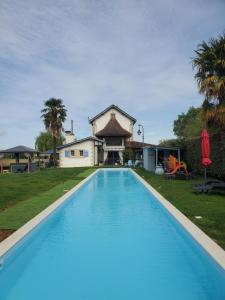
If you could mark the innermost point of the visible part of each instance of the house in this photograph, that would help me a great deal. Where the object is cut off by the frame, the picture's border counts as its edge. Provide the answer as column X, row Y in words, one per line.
column 112, row 133
column 115, row 127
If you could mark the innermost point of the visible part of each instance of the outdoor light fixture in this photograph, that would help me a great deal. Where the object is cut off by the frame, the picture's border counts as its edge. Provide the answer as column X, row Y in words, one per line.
column 141, row 131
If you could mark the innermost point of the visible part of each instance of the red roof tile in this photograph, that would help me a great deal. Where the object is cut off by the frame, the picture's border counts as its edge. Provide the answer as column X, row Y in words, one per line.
column 134, row 144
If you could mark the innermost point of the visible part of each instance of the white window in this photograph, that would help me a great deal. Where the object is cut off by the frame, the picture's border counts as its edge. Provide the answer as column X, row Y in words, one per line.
column 72, row 153
column 81, row 153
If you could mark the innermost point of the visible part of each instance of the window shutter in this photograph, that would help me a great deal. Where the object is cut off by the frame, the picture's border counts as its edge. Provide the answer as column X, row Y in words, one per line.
column 86, row 153
column 67, row 153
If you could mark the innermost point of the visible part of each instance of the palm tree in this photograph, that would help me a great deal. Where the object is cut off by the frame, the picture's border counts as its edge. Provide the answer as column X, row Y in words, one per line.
column 54, row 114
column 209, row 64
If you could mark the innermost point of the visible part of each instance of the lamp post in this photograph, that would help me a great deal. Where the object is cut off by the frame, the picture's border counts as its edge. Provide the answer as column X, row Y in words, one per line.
column 141, row 131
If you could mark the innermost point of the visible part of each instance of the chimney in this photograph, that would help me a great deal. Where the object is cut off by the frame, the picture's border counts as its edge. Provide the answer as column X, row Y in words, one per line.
column 70, row 137
column 72, row 126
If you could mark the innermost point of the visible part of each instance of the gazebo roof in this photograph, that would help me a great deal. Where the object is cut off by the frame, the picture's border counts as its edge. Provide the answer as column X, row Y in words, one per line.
column 113, row 128
column 19, row 149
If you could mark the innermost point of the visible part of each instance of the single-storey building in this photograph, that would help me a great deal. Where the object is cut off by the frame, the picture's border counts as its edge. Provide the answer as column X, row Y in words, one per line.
column 80, row 153
column 157, row 156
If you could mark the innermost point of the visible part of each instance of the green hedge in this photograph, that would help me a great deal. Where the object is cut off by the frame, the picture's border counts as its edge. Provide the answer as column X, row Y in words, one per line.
column 192, row 155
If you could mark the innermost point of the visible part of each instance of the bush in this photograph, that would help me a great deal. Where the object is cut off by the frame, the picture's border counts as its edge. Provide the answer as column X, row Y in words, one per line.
column 128, row 154
column 192, row 155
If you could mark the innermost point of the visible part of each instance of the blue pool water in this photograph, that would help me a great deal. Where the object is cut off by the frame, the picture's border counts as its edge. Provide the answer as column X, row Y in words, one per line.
column 111, row 240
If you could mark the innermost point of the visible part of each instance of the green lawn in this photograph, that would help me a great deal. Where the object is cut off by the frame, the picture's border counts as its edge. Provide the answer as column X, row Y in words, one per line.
column 179, row 193
column 25, row 195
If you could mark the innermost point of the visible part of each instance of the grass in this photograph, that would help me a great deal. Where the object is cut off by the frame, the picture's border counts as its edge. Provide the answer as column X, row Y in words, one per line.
column 19, row 187
column 179, row 193
column 25, row 195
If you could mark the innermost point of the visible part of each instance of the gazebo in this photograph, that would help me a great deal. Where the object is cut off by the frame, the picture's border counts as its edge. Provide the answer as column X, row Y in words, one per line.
column 17, row 151
column 155, row 156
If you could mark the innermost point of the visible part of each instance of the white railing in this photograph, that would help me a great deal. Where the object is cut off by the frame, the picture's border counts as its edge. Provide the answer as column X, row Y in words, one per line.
column 113, row 148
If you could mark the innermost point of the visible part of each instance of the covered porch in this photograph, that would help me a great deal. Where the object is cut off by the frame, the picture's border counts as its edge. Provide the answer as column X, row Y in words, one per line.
column 157, row 156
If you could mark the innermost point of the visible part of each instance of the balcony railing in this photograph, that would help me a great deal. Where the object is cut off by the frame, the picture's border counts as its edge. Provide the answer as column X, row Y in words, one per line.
column 113, row 148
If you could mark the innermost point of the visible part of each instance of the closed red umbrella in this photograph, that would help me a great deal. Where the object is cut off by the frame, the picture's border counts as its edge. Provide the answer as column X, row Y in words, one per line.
column 206, row 161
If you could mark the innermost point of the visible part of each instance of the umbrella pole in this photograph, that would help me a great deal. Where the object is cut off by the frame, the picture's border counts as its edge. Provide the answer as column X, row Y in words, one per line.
column 205, row 173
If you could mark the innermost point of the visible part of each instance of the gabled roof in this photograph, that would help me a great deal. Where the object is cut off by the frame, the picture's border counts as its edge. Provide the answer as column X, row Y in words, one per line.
column 113, row 106
column 113, row 128
column 20, row 149
column 90, row 138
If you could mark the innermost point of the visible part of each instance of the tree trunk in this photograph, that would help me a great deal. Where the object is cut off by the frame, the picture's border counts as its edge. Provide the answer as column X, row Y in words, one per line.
column 223, row 151
column 54, row 152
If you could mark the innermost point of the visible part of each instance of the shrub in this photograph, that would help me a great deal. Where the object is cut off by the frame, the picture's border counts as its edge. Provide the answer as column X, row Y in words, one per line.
column 192, row 155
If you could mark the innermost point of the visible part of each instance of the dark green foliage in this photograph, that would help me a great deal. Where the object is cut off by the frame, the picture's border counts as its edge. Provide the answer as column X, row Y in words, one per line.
column 53, row 115
column 128, row 154
column 189, row 124
column 172, row 143
column 209, row 65
column 193, row 155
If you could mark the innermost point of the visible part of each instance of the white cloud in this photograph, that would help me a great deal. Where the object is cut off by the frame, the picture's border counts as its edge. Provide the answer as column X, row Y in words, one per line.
column 2, row 132
column 94, row 53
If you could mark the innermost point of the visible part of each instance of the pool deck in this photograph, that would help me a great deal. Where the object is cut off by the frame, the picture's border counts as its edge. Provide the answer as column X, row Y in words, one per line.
column 214, row 250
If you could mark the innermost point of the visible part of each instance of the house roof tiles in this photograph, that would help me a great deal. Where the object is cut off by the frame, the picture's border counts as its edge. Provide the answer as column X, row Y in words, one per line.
column 113, row 128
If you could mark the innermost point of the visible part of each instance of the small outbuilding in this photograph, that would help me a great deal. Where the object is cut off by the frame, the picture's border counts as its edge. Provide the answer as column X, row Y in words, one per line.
column 81, row 153
column 157, row 156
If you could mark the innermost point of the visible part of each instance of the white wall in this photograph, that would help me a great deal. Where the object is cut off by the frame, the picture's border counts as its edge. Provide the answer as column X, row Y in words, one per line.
column 101, row 122
column 149, row 159
column 69, row 162
column 70, row 137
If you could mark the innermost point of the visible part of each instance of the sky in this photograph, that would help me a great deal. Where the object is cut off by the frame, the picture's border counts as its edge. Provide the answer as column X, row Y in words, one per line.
column 135, row 54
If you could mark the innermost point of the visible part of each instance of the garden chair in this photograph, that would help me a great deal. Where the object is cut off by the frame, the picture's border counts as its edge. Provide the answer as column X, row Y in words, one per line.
column 210, row 186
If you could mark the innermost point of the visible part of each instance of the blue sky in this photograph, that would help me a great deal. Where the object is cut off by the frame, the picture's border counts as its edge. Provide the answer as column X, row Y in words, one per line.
column 136, row 54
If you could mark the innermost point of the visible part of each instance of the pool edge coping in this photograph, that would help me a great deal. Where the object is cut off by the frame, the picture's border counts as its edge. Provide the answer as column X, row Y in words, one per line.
column 25, row 229
column 211, row 247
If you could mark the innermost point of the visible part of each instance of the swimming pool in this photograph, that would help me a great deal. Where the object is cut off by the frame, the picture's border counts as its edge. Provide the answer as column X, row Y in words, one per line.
column 110, row 240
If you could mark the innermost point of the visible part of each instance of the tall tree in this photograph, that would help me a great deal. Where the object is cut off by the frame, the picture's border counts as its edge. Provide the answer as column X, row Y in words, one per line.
column 189, row 124
column 209, row 64
column 44, row 141
column 54, row 114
